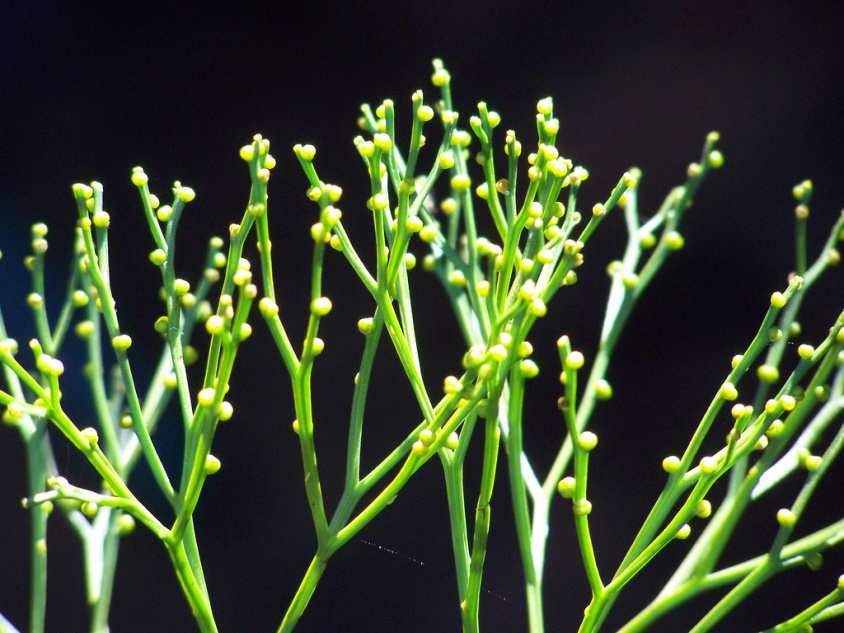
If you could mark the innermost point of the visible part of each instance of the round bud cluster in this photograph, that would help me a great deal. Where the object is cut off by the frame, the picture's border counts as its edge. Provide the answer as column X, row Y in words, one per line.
column 49, row 366
column 304, row 152
column 138, row 177
column 802, row 190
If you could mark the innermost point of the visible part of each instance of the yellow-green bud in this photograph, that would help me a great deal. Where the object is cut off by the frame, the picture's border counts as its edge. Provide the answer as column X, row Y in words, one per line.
column 212, row 464
column 603, row 389
column 768, row 373
column 206, row 397
column 728, row 391
column 566, row 487
column 684, row 532
column 125, row 524
column 574, row 360
column 587, row 441
column 321, row 306
column 703, row 509
column 786, row 518
column 121, row 342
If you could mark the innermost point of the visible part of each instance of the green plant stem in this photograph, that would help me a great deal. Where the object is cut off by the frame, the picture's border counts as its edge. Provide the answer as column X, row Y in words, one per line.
column 830, row 612
column 804, row 617
column 455, row 497
column 792, row 555
column 198, row 602
column 532, row 576
column 109, row 544
column 37, row 473
column 706, row 551
column 303, row 595
column 470, row 604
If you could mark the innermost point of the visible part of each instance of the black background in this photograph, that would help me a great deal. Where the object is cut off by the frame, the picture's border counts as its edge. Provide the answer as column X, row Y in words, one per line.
column 88, row 92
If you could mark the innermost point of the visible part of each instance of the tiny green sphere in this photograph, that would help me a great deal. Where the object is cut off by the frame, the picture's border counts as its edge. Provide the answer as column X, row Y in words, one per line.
column 786, row 518
column 703, row 509
column 812, row 462
column 566, row 487
column 528, row 368
column 321, row 306
column 582, row 507
column 80, row 298
column 452, row 441
column 212, row 464
column 708, row 465
column 788, row 402
column 778, row 300
column 671, row 464
column 587, row 441
column 206, row 397
column 775, row 428
column 181, row 287
column 318, row 346
column 768, row 373
column 728, row 391
column 647, row 241
column 715, row 159
column 603, row 389
column 365, row 325
column 121, row 342
column 674, row 241
column 574, row 360
column 684, row 532
column 426, row 436
column 125, row 524
column 805, row 351
column 89, row 509
column 537, row 307
column 460, row 182
column 428, row 233
column 91, row 436
column 84, row 329
column 139, row 178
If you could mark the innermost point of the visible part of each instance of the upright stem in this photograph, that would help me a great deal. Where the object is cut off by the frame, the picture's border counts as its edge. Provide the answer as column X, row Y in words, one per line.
column 303, row 595
column 36, row 470
column 110, row 548
column 199, row 605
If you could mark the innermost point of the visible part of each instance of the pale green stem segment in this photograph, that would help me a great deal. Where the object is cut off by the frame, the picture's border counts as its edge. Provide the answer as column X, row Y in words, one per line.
column 797, row 622
column 470, row 603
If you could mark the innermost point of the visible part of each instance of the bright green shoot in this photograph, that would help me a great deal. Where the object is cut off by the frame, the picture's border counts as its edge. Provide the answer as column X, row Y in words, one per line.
column 499, row 285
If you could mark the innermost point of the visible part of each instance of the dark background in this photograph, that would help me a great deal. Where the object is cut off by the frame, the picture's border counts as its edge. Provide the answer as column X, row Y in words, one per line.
column 89, row 92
